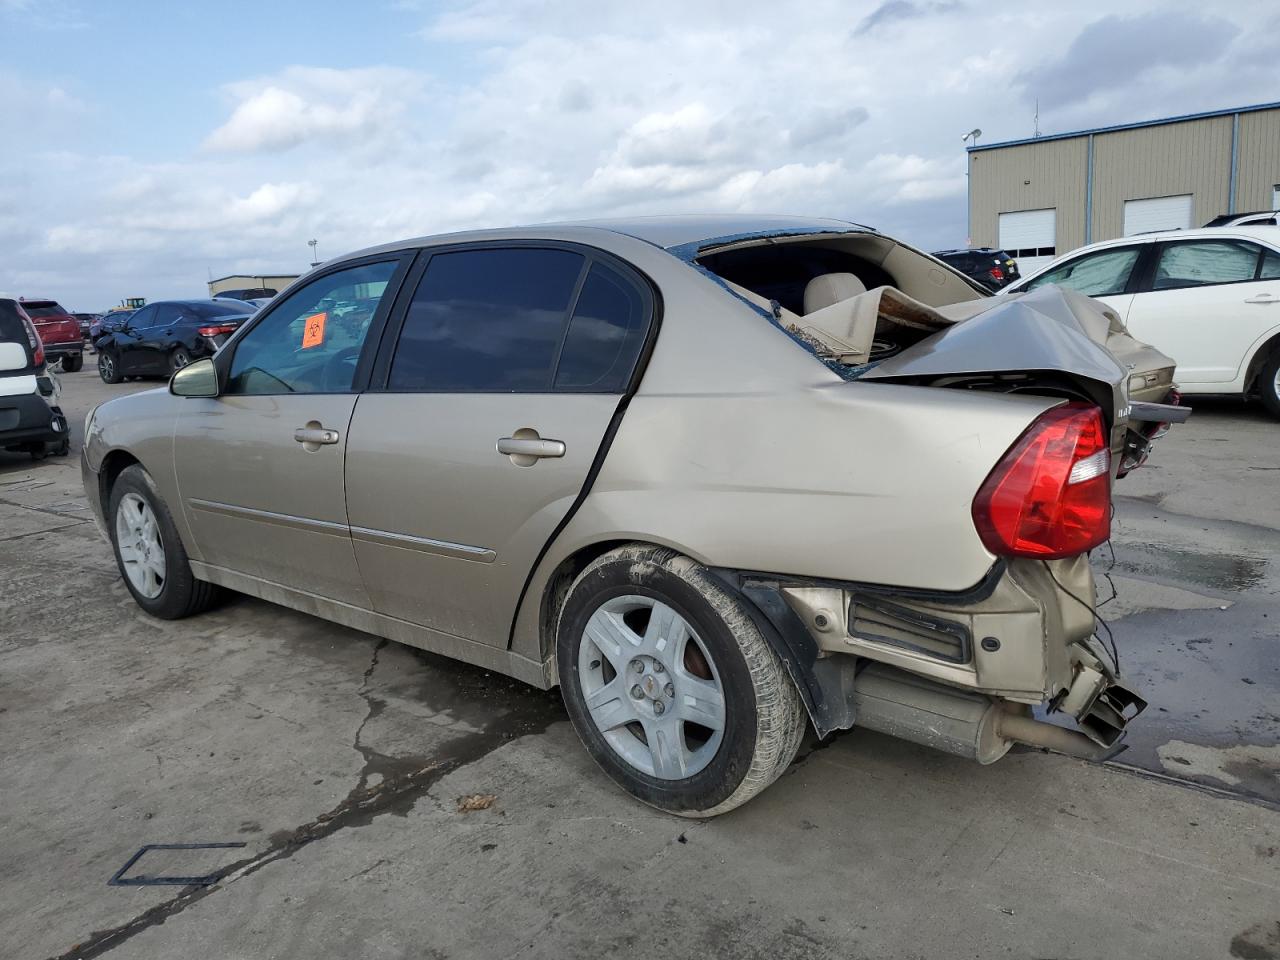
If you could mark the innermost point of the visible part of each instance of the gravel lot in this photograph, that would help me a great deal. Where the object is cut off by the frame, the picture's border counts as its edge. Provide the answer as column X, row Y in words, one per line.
column 340, row 761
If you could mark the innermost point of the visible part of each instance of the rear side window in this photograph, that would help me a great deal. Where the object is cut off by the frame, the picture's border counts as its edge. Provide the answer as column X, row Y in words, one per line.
column 605, row 335
column 204, row 310
column 1096, row 275
column 166, row 314
column 1270, row 266
column 1203, row 262
column 486, row 321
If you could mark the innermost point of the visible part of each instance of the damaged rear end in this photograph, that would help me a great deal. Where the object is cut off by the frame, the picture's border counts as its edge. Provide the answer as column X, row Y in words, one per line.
column 1016, row 658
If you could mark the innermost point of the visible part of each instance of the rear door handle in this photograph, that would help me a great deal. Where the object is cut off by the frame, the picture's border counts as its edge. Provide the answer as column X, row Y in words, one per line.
column 315, row 435
column 528, row 447
column 1263, row 298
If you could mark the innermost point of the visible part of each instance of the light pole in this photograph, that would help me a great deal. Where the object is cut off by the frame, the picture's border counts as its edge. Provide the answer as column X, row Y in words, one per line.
column 973, row 135
column 315, row 260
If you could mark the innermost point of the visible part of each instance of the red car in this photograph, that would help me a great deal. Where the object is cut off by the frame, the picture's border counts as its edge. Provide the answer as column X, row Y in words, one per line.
column 59, row 332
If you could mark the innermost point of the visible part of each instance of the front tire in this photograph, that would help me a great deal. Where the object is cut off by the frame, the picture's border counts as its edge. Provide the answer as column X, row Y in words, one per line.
column 671, row 686
column 1269, row 384
column 108, row 367
column 149, row 552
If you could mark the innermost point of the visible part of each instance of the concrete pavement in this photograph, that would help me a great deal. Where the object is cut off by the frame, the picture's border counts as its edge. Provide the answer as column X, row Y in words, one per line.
column 339, row 760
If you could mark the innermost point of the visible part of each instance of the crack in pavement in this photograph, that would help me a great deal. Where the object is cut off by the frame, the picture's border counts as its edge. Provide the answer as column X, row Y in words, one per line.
column 403, row 781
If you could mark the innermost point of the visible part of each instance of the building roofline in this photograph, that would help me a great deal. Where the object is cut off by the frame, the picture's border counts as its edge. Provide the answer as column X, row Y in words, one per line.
column 1252, row 108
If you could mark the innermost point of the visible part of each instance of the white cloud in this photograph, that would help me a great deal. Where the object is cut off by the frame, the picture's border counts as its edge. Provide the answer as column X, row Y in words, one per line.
column 530, row 110
column 308, row 103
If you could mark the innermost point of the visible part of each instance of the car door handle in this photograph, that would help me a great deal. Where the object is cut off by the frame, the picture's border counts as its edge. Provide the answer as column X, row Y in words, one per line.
column 1263, row 298
column 530, row 447
column 315, row 435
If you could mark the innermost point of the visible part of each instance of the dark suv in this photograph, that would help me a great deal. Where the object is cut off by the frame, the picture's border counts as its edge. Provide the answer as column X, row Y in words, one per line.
column 991, row 268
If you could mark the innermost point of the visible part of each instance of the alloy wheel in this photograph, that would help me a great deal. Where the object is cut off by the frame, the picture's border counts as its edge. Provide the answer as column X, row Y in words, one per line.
column 138, row 540
column 651, row 688
column 106, row 366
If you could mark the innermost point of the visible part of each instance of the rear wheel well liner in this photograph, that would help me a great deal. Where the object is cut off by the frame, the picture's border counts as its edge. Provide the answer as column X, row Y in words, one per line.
column 1259, row 360
column 556, row 590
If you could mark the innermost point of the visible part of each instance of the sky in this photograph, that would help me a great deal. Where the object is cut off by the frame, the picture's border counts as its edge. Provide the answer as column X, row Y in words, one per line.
column 151, row 145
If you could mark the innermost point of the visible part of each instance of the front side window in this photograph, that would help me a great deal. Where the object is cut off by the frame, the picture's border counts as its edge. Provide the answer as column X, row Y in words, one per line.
column 1199, row 263
column 486, row 321
column 1096, row 274
column 311, row 342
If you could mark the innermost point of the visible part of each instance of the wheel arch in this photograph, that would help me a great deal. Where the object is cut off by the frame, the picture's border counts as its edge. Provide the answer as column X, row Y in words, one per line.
column 823, row 697
column 113, row 464
column 1264, row 351
column 556, row 588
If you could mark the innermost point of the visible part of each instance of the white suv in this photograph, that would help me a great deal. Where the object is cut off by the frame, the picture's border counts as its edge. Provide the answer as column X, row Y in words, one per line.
column 1209, row 298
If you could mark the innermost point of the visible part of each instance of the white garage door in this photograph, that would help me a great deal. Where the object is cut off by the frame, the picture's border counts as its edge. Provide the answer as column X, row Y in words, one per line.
column 1028, row 237
column 1275, row 197
column 1158, row 213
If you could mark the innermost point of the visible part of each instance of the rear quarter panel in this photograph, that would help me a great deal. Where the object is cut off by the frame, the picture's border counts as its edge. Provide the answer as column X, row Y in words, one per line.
column 847, row 481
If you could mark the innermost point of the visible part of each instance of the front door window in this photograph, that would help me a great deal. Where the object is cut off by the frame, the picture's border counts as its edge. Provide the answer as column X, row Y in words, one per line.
column 312, row 341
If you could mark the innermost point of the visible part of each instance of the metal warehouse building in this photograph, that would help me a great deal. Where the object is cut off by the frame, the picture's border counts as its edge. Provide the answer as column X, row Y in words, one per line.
column 1045, row 196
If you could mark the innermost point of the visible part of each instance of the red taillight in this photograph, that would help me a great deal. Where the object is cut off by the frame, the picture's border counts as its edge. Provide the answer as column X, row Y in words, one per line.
column 997, row 273
column 1050, row 495
column 215, row 331
column 37, row 346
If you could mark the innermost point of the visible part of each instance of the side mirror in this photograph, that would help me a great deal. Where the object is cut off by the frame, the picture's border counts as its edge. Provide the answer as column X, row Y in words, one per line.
column 198, row 379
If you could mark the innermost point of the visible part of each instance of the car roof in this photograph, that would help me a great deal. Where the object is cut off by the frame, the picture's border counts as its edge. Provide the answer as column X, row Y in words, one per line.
column 668, row 232
column 1225, row 219
column 1264, row 233
column 196, row 301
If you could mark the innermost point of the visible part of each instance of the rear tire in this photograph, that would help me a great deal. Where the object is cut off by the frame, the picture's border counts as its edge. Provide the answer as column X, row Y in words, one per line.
column 1269, row 384
column 675, row 746
column 152, row 561
column 108, row 367
column 178, row 359
column 72, row 364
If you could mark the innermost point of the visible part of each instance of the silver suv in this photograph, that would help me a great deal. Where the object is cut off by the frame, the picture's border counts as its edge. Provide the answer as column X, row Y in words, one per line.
column 717, row 479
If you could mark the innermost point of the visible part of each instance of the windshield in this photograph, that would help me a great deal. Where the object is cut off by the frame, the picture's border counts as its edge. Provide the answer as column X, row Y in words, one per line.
column 37, row 309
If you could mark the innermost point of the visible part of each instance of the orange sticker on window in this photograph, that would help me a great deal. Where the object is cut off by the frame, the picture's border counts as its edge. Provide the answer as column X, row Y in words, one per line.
column 313, row 330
